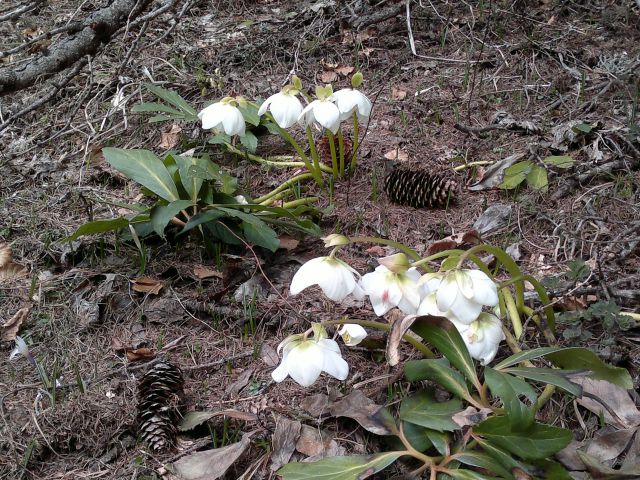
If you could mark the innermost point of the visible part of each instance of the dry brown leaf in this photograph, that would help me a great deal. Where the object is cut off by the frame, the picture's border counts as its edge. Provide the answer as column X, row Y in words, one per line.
column 284, row 440
column 363, row 410
column 344, row 70
column 147, row 285
column 170, row 138
column 459, row 240
column 376, row 250
column 8, row 268
column 397, row 155
column 398, row 329
column 471, row 416
column 239, row 383
column 10, row 327
column 269, row 355
column 288, row 243
column 328, row 76
column 140, row 354
column 398, row 94
column 616, row 398
column 203, row 272
column 210, row 464
column 313, row 442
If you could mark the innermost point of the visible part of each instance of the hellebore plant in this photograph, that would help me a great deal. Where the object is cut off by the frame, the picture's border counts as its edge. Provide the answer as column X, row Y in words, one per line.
column 493, row 415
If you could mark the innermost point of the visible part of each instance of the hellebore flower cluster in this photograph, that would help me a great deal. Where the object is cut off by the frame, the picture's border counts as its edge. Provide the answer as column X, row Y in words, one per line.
column 459, row 295
column 328, row 110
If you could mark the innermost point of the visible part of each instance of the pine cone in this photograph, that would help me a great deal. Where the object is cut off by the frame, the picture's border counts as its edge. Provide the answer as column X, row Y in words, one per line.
column 419, row 189
column 159, row 397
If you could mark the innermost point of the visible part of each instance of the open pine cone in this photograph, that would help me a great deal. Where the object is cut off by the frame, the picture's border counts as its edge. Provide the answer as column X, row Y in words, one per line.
column 159, row 398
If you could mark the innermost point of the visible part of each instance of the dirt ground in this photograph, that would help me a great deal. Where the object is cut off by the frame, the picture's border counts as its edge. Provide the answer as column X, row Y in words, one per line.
column 544, row 66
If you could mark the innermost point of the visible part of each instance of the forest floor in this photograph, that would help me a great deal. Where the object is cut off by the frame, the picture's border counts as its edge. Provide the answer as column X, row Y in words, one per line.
column 484, row 82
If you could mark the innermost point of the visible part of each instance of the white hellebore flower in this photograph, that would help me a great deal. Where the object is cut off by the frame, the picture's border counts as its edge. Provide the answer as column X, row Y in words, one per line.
column 335, row 278
column 285, row 107
column 482, row 337
column 392, row 284
column 349, row 100
column 304, row 360
column 464, row 293
column 224, row 116
column 352, row 334
column 325, row 112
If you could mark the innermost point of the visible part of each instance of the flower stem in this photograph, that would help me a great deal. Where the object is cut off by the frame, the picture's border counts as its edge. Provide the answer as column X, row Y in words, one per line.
column 341, row 151
column 289, row 183
column 314, row 154
column 422, row 348
column 544, row 397
column 383, row 241
column 314, row 169
column 299, row 201
column 354, row 148
column 334, row 158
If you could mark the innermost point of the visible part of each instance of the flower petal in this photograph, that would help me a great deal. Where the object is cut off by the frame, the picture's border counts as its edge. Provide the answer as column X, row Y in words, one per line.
column 465, row 310
column 211, row 116
column 333, row 364
column 280, row 373
column 464, row 282
column 305, row 363
column 233, row 121
column 352, row 334
column 265, row 105
column 484, row 289
column 327, row 115
column 286, row 110
column 447, row 293
column 305, row 276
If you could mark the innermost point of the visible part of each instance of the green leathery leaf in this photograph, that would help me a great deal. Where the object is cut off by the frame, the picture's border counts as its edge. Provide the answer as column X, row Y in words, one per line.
column 443, row 334
column 439, row 371
column 145, row 168
column 422, row 409
column 202, row 217
column 462, row 474
column 355, row 467
column 261, row 234
column 483, row 460
column 537, row 178
column 174, row 99
column 560, row 161
column 508, row 388
column 161, row 215
column 191, row 181
column 584, row 359
column 550, row 376
column 98, row 226
column 249, row 141
column 525, row 355
column 537, row 442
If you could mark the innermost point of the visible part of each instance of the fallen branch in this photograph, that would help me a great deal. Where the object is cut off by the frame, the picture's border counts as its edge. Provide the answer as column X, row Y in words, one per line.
column 95, row 31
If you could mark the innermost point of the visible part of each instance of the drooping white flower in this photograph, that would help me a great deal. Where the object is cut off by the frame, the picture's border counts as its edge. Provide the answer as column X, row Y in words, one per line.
column 325, row 112
column 285, row 107
column 224, row 116
column 332, row 275
column 20, row 348
column 482, row 337
column 352, row 334
column 349, row 100
column 241, row 199
column 393, row 285
column 305, row 360
column 464, row 293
